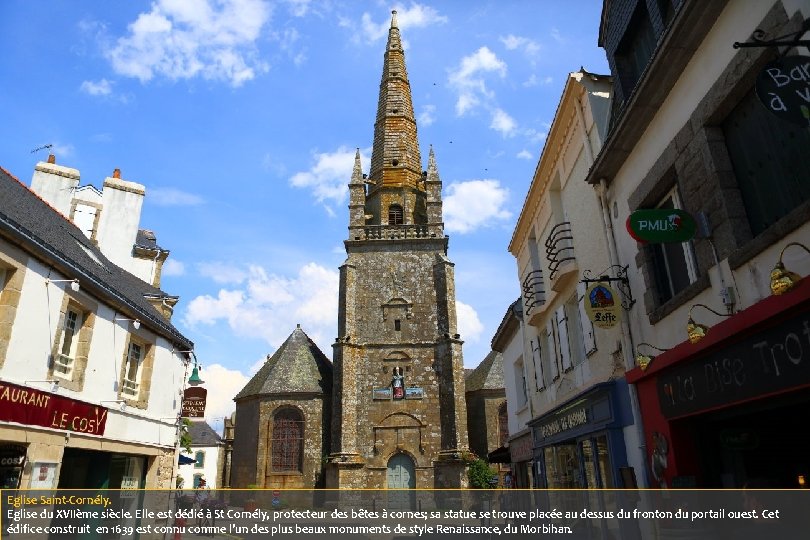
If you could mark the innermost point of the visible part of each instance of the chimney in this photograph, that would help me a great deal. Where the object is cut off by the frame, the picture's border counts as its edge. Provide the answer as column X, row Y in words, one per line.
column 118, row 227
column 55, row 184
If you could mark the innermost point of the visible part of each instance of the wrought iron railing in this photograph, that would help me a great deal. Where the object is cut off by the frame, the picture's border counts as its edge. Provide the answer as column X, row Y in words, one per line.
column 534, row 293
column 559, row 247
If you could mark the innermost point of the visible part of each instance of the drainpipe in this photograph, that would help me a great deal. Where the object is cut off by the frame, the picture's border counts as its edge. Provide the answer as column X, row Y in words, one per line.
column 627, row 337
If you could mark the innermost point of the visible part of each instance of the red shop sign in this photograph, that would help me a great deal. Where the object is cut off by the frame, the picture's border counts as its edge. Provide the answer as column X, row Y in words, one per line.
column 33, row 407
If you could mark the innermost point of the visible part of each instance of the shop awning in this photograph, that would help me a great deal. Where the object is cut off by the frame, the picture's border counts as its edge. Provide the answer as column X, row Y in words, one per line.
column 185, row 460
column 499, row 455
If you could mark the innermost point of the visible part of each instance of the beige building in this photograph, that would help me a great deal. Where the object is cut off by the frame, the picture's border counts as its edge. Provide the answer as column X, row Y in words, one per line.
column 567, row 379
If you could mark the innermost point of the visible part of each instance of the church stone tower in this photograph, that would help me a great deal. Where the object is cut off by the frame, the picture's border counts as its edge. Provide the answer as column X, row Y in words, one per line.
column 399, row 417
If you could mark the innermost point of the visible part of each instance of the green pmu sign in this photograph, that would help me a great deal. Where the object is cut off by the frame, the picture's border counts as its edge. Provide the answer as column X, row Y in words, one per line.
column 661, row 225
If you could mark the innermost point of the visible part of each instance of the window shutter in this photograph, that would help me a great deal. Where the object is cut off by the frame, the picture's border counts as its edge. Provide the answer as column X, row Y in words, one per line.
column 539, row 376
column 553, row 367
column 588, row 336
column 562, row 330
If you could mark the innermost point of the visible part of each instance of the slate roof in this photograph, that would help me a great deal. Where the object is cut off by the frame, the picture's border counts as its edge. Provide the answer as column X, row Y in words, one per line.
column 298, row 366
column 488, row 375
column 203, row 435
column 38, row 228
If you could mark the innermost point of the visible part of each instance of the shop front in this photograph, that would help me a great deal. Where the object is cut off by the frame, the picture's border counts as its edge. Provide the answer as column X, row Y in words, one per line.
column 51, row 441
column 732, row 410
column 520, row 453
column 581, row 443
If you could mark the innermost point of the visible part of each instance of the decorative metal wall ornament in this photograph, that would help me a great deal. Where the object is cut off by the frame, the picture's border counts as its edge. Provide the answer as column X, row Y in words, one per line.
column 620, row 279
column 788, row 40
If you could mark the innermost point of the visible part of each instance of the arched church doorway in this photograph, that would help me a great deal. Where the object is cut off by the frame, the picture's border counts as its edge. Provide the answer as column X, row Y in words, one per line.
column 401, row 472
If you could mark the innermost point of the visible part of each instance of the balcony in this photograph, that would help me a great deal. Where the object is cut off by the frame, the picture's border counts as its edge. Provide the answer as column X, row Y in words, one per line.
column 534, row 294
column 560, row 255
column 394, row 232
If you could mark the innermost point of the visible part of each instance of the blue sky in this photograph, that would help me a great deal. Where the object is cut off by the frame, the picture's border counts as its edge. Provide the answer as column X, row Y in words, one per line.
column 241, row 118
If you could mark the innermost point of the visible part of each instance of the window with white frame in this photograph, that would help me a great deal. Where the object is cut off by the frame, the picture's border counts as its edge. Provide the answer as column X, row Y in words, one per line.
column 673, row 263
column 132, row 369
column 65, row 358
column 199, row 459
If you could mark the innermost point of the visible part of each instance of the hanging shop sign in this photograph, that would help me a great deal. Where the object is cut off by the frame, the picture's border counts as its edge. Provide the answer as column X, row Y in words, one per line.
column 783, row 86
column 601, row 306
column 25, row 405
column 194, row 399
column 661, row 225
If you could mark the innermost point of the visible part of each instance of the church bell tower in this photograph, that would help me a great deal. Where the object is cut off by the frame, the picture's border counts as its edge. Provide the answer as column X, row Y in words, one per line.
column 399, row 417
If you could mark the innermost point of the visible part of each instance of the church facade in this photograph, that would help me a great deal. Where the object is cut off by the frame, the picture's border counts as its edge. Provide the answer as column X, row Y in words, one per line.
column 398, row 413
column 399, row 417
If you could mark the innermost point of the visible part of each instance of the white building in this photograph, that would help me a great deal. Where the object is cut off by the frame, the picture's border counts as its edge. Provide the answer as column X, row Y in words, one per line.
column 81, row 344
column 570, row 397
column 208, row 455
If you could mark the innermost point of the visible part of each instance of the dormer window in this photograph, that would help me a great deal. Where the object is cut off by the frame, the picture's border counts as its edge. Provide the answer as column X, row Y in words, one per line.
column 395, row 216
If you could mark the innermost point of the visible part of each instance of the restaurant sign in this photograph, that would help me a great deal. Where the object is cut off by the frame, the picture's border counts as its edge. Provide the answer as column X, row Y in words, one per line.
column 194, row 402
column 31, row 407
column 771, row 361
column 661, row 225
column 783, row 86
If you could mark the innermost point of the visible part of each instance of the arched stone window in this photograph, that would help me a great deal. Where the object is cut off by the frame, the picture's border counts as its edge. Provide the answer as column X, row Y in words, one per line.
column 287, row 443
column 395, row 216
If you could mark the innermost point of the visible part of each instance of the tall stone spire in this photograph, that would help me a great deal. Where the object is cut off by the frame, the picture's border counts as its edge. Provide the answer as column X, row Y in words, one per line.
column 395, row 159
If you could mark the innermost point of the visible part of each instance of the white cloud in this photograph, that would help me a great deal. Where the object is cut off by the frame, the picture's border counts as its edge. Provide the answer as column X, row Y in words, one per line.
column 474, row 204
column 267, row 306
column 469, row 325
column 534, row 80
column 555, row 33
column 184, row 39
column 524, row 154
column 416, row 16
column 223, row 385
column 468, row 78
column 62, row 150
column 529, row 47
column 222, row 272
column 100, row 88
column 172, row 197
column 427, row 116
column 298, row 8
column 503, row 123
column 173, row 268
column 330, row 174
